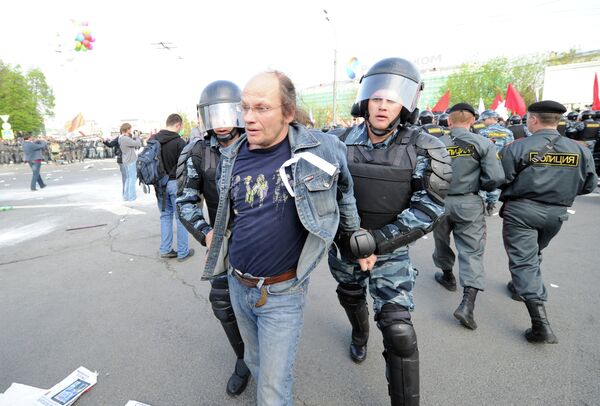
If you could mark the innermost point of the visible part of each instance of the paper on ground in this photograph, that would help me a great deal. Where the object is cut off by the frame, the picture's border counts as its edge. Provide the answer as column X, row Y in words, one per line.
column 20, row 395
column 135, row 403
column 67, row 391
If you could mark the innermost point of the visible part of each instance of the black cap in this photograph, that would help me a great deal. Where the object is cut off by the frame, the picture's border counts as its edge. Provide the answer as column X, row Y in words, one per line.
column 547, row 106
column 462, row 107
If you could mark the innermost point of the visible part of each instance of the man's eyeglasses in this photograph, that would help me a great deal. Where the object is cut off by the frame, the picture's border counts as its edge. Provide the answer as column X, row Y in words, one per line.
column 258, row 109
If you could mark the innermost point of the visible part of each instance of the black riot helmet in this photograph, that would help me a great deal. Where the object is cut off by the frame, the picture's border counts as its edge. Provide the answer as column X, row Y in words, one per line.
column 587, row 115
column 597, row 115
column 443, row 119
column 514, row 120
column 394, row 79
column 426, row 117
column 219, row 107
column 354, row 110
column 572, row 116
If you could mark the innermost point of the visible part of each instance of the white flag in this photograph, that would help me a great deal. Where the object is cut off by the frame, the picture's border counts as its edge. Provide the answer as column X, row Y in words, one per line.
column 481, row 107
column 501, row 110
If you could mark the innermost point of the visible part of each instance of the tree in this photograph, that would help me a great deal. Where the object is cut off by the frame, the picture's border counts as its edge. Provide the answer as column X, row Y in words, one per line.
column 525, row 73
column 26, row 98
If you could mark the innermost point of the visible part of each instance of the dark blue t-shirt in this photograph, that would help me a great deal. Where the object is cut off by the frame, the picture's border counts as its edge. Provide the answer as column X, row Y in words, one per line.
column 267, row 234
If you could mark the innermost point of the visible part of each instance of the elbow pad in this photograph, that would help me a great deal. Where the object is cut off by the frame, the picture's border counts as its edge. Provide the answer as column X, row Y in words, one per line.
column 359, row 244
column 387, row 242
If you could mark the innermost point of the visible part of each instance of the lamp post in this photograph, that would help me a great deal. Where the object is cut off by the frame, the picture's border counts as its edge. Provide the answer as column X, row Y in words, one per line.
column 334, row 121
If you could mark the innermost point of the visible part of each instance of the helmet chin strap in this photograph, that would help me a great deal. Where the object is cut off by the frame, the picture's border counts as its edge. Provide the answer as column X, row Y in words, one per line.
column 382, row 133
column 226, row 137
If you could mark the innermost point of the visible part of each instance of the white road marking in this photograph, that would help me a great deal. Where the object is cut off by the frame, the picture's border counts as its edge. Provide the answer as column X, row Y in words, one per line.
column 112, row 207
column 570, row 211
column 553, row 285
column 26, row 232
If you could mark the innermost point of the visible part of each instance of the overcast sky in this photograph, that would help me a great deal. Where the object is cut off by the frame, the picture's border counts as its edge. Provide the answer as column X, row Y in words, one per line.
column 126, row 77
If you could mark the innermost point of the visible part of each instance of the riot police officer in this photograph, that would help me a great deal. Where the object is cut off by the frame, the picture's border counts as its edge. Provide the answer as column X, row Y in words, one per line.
column 475, row 166
column 544, row 174
column 426, row 122
column 220, row 119
column 518, row 129
column 500, row 136
column 588, row 129
column 401, row 176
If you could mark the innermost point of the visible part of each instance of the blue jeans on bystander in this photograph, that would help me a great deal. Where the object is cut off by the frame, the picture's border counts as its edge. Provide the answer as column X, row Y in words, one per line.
column 130, row 178
column 166, row 223
column 37, row 178
column 271, row 335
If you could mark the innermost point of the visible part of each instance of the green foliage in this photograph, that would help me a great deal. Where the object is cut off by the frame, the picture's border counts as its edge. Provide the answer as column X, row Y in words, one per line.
column 473, row 81
column 27, row 98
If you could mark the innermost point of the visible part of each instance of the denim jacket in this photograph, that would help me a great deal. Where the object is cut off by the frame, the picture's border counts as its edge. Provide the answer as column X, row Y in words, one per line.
column 323, row 202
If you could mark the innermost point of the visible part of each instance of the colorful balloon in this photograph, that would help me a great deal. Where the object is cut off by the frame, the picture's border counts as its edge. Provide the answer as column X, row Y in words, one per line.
column 352, row 67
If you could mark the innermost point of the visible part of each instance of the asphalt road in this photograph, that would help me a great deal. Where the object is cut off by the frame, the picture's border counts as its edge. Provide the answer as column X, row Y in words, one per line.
column 101, row 298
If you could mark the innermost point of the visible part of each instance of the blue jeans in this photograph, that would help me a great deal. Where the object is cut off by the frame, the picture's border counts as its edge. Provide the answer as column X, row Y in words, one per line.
column 130, row 178
column 271, row 335
column 37, row 178
column 166, row 223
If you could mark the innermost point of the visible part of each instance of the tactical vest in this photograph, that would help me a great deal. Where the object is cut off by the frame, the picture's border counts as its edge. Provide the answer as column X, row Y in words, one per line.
column 518, row 131
column 209, row 158
column 382, row 179
column 590, row 130
column 432, row 129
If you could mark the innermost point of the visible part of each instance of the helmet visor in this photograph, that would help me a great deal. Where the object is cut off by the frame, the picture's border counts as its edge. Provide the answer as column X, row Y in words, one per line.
column 391, row 87
column 222, row 115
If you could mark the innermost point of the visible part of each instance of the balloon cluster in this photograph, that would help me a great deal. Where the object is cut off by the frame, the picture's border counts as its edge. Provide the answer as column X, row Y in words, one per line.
column 352, row 67
column 84, row 39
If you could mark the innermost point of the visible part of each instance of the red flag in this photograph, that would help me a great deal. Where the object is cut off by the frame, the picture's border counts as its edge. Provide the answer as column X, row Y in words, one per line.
column 514, row 101
column 77, row 122
column 596, row 103
column 442, row 104
column 496, row 102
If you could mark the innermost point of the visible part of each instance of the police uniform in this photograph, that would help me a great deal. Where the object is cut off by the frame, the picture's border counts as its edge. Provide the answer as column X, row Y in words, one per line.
column 400, row 184
column 539, row 189
column 501, row 137
column 477, row 127
column 475, row 166
column 433, row 129
column 521, row 131
column 196, row 180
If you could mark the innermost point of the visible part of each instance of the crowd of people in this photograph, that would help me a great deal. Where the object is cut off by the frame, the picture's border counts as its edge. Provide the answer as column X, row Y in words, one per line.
column 270, row 198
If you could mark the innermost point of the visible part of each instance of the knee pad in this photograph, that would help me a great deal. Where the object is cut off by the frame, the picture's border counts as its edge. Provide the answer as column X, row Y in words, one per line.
column 351, row 295
column 220, row 301
column 399, row 335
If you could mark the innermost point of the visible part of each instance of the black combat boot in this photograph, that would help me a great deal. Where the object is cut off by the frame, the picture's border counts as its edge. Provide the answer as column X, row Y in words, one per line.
column 540, row 331
column 446, row 279
column 239, row 379
column 353, row 300
column 464, row 312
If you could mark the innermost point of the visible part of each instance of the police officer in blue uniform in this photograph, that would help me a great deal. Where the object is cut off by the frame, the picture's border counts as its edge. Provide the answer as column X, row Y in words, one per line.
column 401, row 176
column 544, row 174
column 475, row 166
column 500, row 136
column 220, row 119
